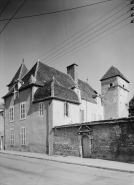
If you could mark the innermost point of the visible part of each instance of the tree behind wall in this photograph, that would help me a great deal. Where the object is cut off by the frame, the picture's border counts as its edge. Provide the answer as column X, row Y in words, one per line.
column 131, row 107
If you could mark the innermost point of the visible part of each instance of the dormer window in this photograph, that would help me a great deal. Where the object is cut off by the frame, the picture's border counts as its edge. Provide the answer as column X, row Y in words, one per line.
column 16, row 92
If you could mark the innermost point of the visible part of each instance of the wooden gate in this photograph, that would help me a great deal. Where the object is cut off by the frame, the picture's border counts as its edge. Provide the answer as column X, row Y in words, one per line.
column 85, row 147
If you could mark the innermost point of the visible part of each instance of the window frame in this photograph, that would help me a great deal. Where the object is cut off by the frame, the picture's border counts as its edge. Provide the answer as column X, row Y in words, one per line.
column 12, row 137
column 11, row 114
column 41, row 108
column 23, row 136
column 66, row 109
column 21, row 111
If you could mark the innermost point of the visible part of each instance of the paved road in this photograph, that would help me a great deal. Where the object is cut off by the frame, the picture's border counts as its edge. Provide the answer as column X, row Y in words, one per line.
column 17, row 170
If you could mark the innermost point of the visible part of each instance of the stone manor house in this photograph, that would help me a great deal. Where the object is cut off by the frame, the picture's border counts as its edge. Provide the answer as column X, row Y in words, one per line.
column 42, row 98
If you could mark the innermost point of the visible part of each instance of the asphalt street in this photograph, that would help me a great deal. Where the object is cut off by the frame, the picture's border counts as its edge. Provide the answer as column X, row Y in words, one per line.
column 18, row 170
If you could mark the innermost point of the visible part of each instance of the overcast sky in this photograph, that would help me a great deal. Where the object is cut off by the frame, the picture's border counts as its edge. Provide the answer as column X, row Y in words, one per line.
column 94, row 52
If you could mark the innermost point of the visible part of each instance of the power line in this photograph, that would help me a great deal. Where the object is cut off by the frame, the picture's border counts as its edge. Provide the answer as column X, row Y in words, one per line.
column 13, row 16
column 79, row 31
column 85, row 28
column 89, row 40
column 59, row 11
column 87, row 36
column 4, row 7
column 87, row 32
column 91, row 43
column 94, row 42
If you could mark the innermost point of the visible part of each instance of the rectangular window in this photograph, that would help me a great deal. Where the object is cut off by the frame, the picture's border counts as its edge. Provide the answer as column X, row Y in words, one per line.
column 11, row 114
column 66, row 108
column 93, row 117
column 41, row 108
column 23, row 136
column 12, row 136
column 23, row 111
column 82, row 115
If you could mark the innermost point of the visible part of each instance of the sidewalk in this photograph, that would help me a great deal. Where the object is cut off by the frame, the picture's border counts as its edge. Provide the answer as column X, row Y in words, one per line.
column 89, row 162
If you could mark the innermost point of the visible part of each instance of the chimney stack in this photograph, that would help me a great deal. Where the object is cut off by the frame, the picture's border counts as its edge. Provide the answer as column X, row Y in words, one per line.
column 72, row 71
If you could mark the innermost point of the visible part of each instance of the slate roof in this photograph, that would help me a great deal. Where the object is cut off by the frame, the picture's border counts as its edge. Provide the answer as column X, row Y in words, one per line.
column 87, row 92
column 113, row 72
column 19, row 74
column 59, row 92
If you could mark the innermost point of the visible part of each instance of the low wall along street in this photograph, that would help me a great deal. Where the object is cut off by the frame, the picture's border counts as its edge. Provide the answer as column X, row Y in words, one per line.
column 107, row 139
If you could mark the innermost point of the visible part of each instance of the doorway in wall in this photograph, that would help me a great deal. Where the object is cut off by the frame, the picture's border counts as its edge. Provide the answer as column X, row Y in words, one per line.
column 86, row 146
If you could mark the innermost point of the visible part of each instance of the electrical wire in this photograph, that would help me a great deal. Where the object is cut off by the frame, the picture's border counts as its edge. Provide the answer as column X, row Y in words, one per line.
column 78, row 32
column 89, row 44
column 4, row 8
column 82, row 29
column 87, row 36
column 93, row 42
column 59, row 11
column 88, row 40
column 87, row 32
column 13, row 16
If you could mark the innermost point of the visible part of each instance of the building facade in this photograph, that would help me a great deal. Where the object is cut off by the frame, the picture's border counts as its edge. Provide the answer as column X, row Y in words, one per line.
column 42, row 98
column 1, row 127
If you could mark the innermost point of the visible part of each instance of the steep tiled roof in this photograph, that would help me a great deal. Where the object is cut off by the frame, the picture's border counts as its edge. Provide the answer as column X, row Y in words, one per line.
column 27, row 78
column 59, row 92
column 64, row 93
column 87, row 91
column 112, row 72
column 43, row 92
column 19, row 74
column 46, row 73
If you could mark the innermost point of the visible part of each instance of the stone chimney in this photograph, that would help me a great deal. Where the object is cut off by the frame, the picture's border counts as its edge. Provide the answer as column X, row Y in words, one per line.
column 72, row 71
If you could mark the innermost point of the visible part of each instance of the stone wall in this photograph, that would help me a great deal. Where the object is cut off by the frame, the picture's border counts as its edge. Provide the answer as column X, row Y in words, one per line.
column 111, row 139
column 66, row 141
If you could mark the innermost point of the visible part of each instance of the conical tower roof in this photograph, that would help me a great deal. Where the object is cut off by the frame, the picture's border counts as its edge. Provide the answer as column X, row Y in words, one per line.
column 113, row 72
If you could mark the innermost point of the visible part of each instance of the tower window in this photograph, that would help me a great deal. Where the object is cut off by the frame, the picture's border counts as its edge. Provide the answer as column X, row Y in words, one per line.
column 111, row 85
column 123, row 86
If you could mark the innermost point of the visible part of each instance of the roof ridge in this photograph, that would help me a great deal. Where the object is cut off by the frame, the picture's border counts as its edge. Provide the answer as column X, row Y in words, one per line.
column 57, row 70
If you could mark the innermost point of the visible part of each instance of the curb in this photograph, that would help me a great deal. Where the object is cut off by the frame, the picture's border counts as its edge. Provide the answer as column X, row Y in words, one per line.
column 80, row 164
